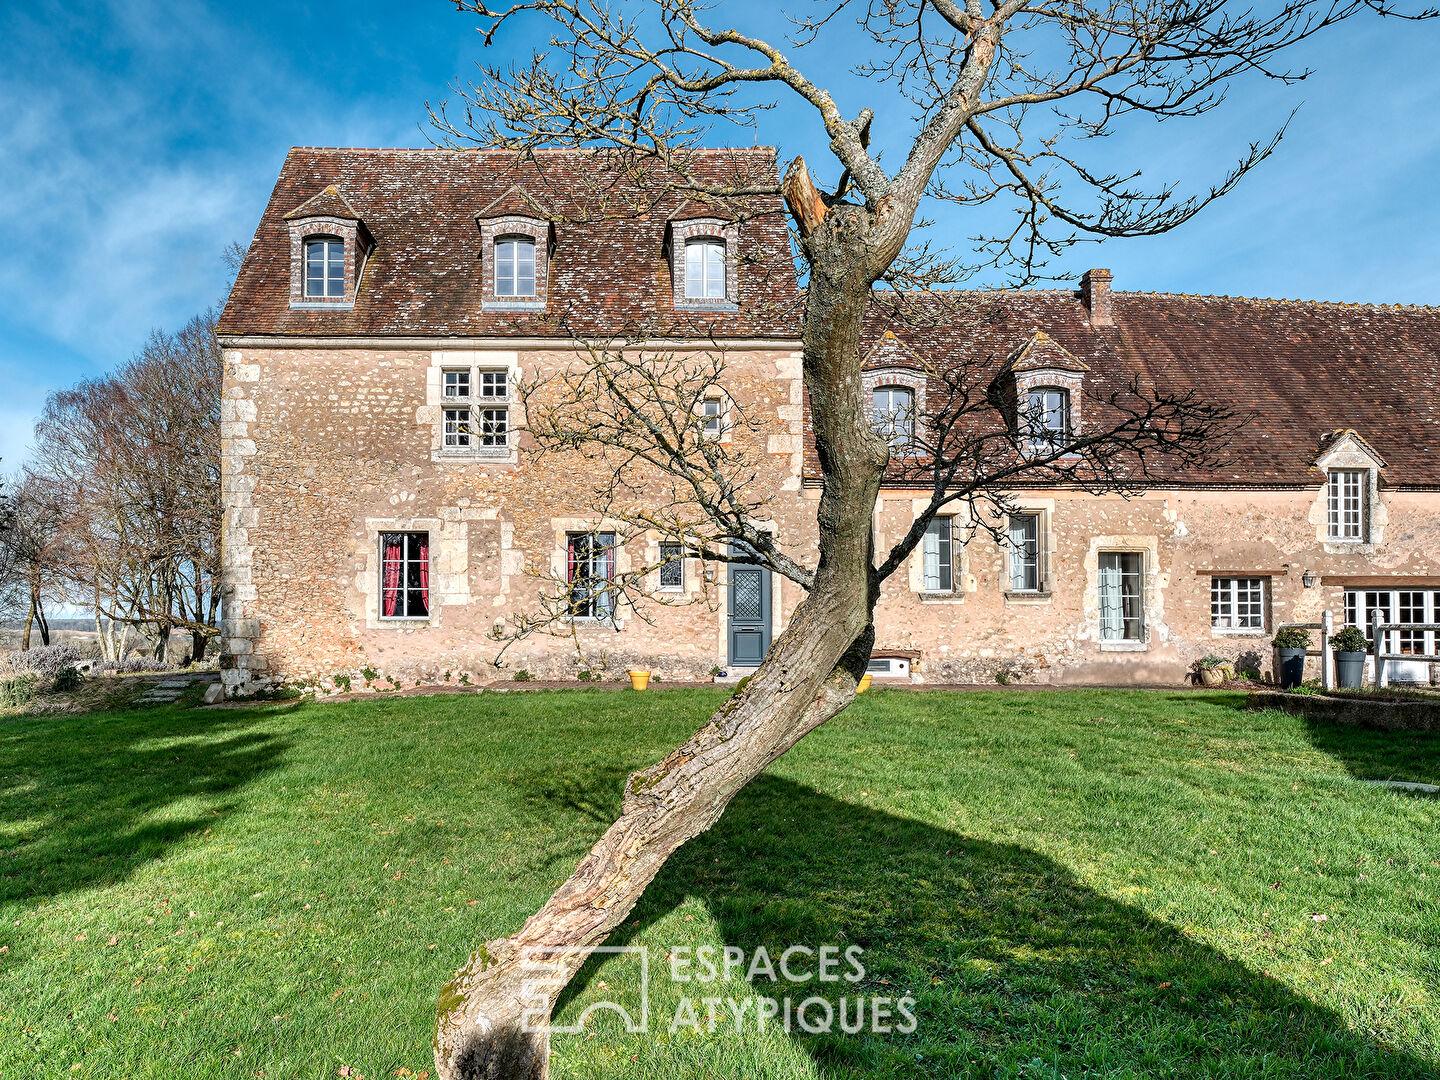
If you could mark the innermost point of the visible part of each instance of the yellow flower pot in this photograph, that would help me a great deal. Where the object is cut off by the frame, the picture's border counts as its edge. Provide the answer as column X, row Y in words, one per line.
column 863, row 684
column 639, row 679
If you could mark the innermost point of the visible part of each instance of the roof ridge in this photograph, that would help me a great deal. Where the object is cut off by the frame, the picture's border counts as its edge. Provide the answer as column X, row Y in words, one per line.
column 1273, row 300
column 946, row 293
column 501, row 150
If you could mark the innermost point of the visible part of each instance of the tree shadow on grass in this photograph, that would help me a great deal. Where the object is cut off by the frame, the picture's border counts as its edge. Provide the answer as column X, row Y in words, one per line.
column 80, row 796
column 1368, row 754
column 1017, row 968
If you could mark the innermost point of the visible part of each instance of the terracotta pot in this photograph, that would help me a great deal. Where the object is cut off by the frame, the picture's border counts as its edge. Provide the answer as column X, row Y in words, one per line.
column 639, row 679
column 863, row 684
column 1212, row 676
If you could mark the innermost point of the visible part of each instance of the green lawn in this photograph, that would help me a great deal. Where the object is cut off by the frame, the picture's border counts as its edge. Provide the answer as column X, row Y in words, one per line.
column 1072, row 884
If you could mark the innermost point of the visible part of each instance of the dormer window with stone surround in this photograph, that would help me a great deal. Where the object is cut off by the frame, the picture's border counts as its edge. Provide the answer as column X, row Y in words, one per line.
column 1352, row 515
column 703, row 264
column 894, row 381
column 329, row 246
column 1040, row 391
column 516, row 242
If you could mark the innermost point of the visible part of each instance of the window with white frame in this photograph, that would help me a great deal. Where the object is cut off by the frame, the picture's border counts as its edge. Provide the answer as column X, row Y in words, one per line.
column 590, row 573
column 1047, row 419
column 937, row 559
column 1237, row 604
column 672, row 567
column 515, row 266
column 1364, row 608
column 1346, row 503
column 405, row 575
column 325, row 267
column 1023, row 536
column 705, row 269
column 712, row 411
column 1122, row 611
column 495, row 385
column 459, row 434
column 893, row 415
column 457, row 384
column 495, row 428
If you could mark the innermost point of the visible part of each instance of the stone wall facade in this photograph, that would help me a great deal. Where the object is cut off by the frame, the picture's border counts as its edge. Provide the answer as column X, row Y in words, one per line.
column 325, row 449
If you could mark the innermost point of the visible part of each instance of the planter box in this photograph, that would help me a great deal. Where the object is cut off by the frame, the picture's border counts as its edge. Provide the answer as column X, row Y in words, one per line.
column 1360, row 711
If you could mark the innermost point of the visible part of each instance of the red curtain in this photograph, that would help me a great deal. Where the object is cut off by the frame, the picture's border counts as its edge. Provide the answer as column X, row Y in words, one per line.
column 391, row 569
column 425, row 572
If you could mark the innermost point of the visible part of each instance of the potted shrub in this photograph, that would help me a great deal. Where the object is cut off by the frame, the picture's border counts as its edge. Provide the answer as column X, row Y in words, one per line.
column 1291, row 644
column 1211, row 669
column 1350, row 647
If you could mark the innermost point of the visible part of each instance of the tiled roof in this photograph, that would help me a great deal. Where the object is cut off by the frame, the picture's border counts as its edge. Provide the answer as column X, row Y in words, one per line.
column 1299, row 370
column 608, row 273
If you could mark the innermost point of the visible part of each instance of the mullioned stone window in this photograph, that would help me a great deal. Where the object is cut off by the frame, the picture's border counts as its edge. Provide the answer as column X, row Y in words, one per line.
column 472, row 405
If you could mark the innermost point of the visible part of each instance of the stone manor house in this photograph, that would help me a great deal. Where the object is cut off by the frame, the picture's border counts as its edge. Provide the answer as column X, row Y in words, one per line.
column 384, row 511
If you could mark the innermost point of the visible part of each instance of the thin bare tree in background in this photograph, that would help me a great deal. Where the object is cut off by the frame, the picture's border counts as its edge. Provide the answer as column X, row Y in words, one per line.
column 981, row 103
column 33, row 556
column 133, row 460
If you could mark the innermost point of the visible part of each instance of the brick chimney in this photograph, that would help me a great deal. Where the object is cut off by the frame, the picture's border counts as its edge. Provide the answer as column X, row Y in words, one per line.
column 1095, row 294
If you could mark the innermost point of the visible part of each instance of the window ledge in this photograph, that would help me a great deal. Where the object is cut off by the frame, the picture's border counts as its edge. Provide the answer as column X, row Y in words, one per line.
column 706, row 305
column 1219, row 631
column 321, row 305
column 955, row 597
column 512, row 305
column 1023, row 596
column 400, row 621
column 488, row 453
column 1123, row 646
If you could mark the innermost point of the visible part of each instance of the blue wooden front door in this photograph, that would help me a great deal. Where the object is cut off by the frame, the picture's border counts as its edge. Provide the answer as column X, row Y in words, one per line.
column 749, row 614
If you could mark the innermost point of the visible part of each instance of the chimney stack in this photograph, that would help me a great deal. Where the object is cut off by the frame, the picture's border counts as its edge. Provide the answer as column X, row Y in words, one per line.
column 1095, row 294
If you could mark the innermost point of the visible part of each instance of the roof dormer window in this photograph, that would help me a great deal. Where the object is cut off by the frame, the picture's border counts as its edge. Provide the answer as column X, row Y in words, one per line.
column 515, row 266
column 702, row 254
column 705, row 269
column 517, row 240
column 329, row 247
column 324, row 267
column 1047, row 418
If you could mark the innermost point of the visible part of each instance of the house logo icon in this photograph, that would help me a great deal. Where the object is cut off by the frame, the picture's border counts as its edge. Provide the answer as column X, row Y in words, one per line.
column 547, row 969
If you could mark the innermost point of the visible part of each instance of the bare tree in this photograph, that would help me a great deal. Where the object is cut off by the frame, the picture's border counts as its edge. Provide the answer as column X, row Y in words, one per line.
column 991, row 103
column 33, row 556
column 133, row 459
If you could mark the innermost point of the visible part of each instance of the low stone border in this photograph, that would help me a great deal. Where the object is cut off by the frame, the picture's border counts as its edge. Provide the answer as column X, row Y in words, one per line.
column 1363, row 712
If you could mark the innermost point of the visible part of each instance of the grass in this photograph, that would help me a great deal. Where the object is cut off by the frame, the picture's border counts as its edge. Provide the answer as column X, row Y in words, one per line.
column 1071, row 884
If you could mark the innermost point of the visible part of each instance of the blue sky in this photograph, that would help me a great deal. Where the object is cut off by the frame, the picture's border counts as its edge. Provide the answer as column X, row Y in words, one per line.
column 137, row 139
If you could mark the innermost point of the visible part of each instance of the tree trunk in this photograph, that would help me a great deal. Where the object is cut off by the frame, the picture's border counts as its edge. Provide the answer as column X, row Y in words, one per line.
column 162, row 641
column 808, row 676
column 105, row 643
column 29, row 622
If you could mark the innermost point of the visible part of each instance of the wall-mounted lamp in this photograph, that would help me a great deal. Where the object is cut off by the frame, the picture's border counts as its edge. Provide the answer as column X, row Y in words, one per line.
column 1308, row 579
